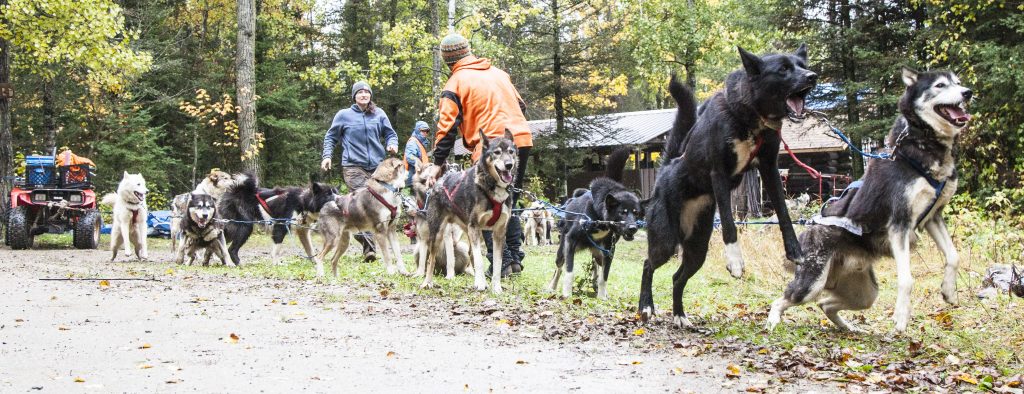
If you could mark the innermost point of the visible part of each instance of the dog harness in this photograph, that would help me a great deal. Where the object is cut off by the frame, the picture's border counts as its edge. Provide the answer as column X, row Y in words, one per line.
column 135, row 214
column 392, row 208
column 264, row 203
column 938, row 186
column 495, row 204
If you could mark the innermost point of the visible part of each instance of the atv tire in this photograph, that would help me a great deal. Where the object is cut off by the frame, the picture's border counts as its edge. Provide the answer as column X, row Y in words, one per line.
column 19, row 234
column 87, row 230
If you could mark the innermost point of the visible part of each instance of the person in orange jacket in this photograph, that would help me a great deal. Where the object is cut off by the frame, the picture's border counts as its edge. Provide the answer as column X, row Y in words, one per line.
column 479, row 96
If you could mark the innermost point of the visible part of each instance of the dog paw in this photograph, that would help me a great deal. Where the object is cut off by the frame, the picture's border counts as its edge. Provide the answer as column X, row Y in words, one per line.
column 392, row 270
column 646, row 313
column 855, row 330
column 449, row 276
column 734, row 260
column 480, row 286
column 901, row 322
column 949, row 295
column 772, row 322
column 428, row 285
column 681, row 321
column 496, row 288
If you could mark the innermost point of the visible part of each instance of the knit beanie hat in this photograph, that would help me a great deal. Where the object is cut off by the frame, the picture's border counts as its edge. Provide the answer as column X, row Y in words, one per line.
column 361, row 85
column 453, row 48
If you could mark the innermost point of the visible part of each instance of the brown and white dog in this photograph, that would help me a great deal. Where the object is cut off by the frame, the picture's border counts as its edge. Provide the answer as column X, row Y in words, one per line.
column 374, row 209
column 537, row 223
column 454, row 243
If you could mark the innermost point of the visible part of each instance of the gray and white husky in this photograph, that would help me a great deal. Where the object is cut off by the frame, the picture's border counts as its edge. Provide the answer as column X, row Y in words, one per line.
column 897, row 197
column 476, row 199
column 130, row 212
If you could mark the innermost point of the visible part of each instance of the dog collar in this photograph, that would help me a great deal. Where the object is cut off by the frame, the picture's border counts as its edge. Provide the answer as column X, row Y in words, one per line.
column 392, row 208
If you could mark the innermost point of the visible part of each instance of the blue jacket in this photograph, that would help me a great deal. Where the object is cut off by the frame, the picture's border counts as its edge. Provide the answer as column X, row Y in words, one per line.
column 412, row 150
column 360, row 135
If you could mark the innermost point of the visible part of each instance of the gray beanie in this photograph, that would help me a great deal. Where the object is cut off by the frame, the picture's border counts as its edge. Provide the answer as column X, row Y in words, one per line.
column 361, row 85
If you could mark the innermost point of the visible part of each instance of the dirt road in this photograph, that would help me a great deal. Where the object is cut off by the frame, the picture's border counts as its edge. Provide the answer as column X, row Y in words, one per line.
column 218, row 333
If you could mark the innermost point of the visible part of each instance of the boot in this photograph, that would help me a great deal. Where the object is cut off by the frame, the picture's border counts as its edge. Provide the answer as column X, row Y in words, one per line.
column 369, row 249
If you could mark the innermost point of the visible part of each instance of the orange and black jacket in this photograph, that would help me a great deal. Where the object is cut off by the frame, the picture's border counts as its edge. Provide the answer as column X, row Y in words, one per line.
column 479, row 96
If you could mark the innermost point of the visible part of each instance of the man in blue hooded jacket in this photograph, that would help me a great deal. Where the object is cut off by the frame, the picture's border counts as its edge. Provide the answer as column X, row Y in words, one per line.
column 416, row 148
column 365, row 133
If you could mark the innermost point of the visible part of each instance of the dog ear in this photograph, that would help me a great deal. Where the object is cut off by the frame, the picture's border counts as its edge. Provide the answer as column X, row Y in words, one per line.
column 125, row 174
column 801, row 52
column 508, row 134
column 909, row 76
column 751, row 62
column 610, row 202
column 483, row 138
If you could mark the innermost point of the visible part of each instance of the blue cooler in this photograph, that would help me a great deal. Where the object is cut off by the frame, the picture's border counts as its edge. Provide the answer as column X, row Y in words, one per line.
column 39, row 170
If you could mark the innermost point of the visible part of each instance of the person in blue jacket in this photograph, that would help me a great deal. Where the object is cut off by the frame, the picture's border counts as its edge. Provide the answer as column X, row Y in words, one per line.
column 417, row 148
column 365, row 133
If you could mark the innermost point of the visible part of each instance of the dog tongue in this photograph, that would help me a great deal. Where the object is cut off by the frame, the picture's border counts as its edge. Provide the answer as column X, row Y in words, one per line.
column 957, row 114
column 796, row 104
column 506, row 176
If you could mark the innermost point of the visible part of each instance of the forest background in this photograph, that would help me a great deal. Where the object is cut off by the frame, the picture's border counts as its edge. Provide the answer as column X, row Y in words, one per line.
column 173, row 88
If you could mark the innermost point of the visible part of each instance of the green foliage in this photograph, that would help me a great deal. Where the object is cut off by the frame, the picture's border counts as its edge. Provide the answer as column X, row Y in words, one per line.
column 85, row 39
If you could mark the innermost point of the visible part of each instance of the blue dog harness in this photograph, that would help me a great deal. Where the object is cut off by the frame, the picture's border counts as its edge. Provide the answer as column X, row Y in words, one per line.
column 854, row 228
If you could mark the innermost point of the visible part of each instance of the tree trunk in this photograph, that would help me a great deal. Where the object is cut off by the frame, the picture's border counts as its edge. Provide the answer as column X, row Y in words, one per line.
column 451, row 16
column 435, row 27
column 6, row 142
column 556, row 70
column 556, row 62
column 49, row 117
column 246, row 86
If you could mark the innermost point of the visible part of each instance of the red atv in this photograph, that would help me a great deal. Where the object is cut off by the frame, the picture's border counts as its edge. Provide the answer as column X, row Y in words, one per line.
column 53, row 200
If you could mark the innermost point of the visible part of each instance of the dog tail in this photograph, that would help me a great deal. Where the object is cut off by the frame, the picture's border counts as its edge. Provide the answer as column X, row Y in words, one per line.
column 109, row 199
column 579, row 192
column 245, row 184
column 686, row 116
column 617, row 164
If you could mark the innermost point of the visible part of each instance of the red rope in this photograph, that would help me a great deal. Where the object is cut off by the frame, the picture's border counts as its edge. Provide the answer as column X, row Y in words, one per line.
column 814, row 173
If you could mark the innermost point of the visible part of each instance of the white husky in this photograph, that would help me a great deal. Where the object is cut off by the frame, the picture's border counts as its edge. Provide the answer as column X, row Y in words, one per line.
column 129, row 216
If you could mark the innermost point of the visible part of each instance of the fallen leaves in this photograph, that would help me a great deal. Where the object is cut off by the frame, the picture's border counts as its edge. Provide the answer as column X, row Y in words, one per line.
column 145, row 366
column 62, row 328
column 104, row 284
column 233, row 338
column 521, row 362
column 390, row 354
column 145, row 346
column 966, row 378
column 733, row 371
column 943, row 318
column 640, row 331
column 79, row 380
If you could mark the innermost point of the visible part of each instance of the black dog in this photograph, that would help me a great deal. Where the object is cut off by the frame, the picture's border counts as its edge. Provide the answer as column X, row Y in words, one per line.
column 606, row 201
column 738, row 128
column 246, row 202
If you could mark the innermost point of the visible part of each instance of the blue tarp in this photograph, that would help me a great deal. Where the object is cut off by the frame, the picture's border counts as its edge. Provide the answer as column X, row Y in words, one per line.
column 159, row 223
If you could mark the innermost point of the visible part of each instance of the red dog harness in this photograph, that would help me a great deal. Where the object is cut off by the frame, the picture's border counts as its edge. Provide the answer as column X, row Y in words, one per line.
column 392, row 208
column 496, row 206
